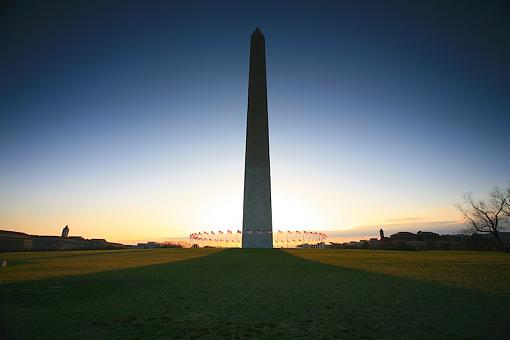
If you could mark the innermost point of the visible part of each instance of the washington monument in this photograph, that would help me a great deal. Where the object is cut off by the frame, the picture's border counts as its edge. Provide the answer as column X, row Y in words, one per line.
column 257, row 217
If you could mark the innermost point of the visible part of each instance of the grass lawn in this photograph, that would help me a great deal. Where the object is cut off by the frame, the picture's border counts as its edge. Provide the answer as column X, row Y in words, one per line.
column 487, row 271
column 240, row 293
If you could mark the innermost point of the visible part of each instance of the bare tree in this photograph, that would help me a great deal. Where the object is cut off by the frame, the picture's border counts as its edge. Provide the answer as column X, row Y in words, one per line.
column 506, row 209
column 488, row 216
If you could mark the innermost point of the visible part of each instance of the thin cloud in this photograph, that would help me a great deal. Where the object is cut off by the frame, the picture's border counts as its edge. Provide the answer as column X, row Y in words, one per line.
column 405, row 219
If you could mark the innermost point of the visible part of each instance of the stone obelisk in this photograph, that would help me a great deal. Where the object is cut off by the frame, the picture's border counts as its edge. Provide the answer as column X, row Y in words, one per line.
column 257, row 216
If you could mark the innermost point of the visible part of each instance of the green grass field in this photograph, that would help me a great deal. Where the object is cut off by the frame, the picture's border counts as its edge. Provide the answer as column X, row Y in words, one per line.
column 240, row 293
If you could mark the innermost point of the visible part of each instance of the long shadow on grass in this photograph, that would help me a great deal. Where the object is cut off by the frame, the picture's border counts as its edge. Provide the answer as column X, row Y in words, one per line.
column 62, row 254
column 240, row 293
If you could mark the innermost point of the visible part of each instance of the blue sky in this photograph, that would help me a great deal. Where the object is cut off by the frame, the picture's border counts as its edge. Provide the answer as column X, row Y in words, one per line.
column 127, row 119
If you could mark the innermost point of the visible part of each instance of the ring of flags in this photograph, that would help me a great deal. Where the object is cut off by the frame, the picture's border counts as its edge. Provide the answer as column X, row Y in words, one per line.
column 231, row 239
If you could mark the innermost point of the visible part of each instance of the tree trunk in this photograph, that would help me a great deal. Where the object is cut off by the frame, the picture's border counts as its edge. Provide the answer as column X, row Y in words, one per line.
column 500, row 242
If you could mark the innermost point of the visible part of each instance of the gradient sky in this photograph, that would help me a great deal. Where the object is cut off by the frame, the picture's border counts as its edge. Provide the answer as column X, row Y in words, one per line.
column 126, row 119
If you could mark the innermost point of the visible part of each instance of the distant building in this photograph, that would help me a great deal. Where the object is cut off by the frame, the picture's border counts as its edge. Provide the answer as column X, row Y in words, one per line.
column 312, row 245
column 148, row 245
column 404, row 236
column 47, row 243
column 14, row 241
column 65, row 232
column 426, row 236
column 503, row 236
column 426, row 240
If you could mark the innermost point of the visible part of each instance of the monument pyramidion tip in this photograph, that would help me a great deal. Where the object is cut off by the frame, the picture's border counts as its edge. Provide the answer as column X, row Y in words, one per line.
column 257, row 33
